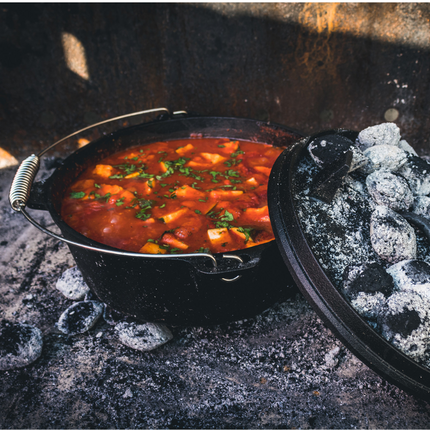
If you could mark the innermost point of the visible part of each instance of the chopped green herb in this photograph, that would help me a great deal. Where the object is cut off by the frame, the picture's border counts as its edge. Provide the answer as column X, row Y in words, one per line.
column 227, row 216
column 120, row 201
column 77, row 194
column 201, row 249
column 198, row 212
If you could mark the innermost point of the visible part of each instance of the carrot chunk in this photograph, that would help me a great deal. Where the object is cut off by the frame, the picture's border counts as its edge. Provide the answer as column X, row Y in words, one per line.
column 171, row 240
column 131, row 175
column 152, row 248
column 263, row 169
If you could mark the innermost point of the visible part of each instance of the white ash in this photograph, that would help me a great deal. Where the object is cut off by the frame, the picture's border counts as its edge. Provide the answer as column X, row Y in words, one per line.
column 368, row 305
column 386, row 157
column 382, row 134
column 143, row 337
column 405, row 322
column 331, row 358
column 406, row 147
column 72, row 285
column 422, row 206
column 80, row 317
column 417, row 172
column 392, row 237
column 20, row 345
column 390, row 190
column 412, row 275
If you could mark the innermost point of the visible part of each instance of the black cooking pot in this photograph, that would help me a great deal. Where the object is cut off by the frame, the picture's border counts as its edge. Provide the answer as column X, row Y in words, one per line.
column 178, row 290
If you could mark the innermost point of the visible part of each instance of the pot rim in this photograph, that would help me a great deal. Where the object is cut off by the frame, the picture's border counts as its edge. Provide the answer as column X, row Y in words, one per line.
column 99, row 148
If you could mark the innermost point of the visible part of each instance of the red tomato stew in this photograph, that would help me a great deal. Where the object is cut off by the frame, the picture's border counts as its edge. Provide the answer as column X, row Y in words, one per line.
column 182, row 196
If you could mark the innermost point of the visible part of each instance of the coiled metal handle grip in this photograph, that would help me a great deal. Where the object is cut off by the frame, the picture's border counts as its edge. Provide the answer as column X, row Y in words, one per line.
column 21, row 185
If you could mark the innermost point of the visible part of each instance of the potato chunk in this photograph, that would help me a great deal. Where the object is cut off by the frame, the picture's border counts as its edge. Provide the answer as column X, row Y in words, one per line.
column 213, row 158
column 225, row 195
column 217, row 236
column 187, row 192
column 103, row 170
column 173, row 216
column 184, row 149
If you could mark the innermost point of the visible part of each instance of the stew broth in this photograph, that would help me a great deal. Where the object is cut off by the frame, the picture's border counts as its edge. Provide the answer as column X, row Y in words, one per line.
column 182, row 196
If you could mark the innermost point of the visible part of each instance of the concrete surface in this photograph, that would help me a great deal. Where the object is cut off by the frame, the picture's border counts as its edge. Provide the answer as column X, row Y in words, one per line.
column 281, row 369
column 311, row 66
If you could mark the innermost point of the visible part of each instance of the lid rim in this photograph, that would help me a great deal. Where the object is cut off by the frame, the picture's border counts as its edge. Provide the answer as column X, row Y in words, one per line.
column 355, row 333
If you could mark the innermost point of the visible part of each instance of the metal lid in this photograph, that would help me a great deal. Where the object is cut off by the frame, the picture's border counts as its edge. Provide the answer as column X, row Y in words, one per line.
column 330, row 305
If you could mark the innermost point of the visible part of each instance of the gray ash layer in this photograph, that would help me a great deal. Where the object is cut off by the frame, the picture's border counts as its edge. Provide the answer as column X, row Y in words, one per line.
column 372, row 254
column 281, row 369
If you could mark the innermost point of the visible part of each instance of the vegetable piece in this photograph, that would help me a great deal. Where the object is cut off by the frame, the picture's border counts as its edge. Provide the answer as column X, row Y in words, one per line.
column 187, row 192
column 132, row 175
column 170, row 239
column 148, row 187
column 263, row 169
column 184, row 149
column 173, row 216
column 242, row 234
column 230, row 147
column 213, row 158
column 252, row 181
column 204, row 207
column 103, row 170
column 258, row 217
column 225, row 195
column 123, row 196
column 198, row 163
column 218, row 236
column 163, row 167
column 152, row 248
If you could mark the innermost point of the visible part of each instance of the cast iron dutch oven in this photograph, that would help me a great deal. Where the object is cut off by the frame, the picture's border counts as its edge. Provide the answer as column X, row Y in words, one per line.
column 198, row 290
column 330, row 305
column 188, row 289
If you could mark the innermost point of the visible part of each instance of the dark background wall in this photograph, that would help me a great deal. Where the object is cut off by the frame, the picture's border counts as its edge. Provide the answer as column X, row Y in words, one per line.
column 310, row 66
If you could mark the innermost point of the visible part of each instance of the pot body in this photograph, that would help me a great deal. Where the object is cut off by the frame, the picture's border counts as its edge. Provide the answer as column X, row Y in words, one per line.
column 177, row 291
